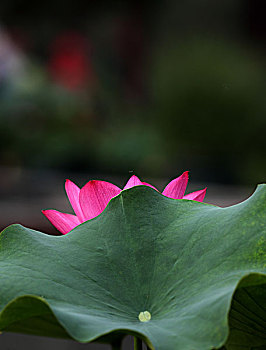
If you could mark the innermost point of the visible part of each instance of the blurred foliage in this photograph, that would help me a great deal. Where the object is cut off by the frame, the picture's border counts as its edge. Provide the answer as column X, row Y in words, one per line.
column 166, row 93
column 36, row 125
column 209, row 105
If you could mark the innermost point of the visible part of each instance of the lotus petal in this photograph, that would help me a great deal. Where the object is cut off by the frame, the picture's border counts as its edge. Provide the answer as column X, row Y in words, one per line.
column 177, row 187
column 94, row 197
column 132, row 182
column 197, row 195
column 62, row 221
column 147, row 184
column 73, row 191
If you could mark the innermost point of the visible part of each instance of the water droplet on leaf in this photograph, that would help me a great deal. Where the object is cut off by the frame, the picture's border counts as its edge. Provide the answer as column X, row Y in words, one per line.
column 144, row 316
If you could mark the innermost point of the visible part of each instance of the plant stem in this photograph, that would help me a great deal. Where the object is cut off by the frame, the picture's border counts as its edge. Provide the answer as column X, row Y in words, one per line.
column 137, row 344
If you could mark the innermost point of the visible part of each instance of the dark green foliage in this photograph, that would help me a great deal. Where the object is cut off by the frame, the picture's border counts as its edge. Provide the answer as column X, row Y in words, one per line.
column 182, row 261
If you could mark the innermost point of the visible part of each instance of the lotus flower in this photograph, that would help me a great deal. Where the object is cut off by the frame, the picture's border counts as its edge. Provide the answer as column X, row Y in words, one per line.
column 89, row 201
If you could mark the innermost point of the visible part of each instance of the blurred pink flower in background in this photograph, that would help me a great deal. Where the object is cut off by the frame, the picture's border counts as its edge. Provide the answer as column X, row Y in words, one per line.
column 70, row 63
column 90, row 201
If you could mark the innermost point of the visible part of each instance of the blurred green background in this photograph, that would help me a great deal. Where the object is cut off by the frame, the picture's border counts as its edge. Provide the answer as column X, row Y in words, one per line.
column 156, row 87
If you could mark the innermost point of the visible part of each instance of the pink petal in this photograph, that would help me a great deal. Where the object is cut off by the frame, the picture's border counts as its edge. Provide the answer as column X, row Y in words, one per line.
column 73, row 191
column 95, row 196
column 135, row 181
column 132, row 182
column 196, row 196
column 146, row 184
column 177, row 187
column 63, row 222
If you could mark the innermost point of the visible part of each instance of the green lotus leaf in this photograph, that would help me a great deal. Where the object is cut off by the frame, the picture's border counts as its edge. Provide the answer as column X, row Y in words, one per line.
column 179, row 274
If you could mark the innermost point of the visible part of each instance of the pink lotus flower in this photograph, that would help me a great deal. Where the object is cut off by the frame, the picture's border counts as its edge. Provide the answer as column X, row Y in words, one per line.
column 89, row 201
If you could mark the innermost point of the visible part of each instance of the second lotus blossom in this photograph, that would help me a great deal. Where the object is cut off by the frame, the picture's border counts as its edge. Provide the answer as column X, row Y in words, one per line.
column 90, row 201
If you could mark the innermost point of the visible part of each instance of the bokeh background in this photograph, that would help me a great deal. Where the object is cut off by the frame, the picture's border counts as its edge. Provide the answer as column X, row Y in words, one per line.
column 103, row 89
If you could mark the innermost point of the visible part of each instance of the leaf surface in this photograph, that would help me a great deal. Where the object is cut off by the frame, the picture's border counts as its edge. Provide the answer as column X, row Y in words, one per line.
column 183, row 261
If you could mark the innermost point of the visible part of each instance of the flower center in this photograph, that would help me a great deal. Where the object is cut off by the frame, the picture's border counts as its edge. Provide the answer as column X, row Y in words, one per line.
column 144, row 316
